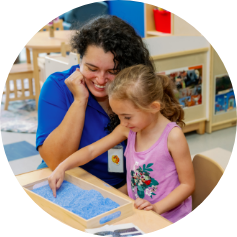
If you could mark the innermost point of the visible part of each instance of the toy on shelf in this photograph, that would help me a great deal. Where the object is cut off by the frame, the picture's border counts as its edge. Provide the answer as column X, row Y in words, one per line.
column 162, row 20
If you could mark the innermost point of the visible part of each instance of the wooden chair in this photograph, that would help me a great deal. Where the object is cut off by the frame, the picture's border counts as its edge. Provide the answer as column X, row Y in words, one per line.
column 65, row 47
column 58, row 25
column 19, row 71
column 207, row 174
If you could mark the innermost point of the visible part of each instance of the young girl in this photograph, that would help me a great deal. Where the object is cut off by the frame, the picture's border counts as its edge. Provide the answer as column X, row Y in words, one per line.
column 160, row 174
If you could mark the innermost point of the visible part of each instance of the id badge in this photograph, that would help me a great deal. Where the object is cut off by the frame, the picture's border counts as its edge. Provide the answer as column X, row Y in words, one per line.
column 115, row 159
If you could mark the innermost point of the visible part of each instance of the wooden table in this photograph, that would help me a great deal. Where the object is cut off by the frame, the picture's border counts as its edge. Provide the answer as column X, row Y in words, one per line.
column 42, row 43
column 147, row 221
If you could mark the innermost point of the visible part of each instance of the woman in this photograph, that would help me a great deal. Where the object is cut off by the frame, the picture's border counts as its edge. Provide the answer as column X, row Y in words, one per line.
column 73, row 105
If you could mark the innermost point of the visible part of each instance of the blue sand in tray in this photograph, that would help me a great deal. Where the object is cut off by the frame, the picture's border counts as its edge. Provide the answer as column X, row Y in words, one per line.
column 84, row 203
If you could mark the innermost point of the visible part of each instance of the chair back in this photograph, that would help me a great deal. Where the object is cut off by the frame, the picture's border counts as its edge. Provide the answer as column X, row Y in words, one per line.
column 58, row 25
column 65, row 48
column 80, row 15
column 207, row 174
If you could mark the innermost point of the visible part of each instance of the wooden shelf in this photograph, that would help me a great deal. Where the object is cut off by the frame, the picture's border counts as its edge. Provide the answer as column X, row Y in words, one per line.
column 150, row 28
column 178, row 25
column 157, row 33
column 198, row 126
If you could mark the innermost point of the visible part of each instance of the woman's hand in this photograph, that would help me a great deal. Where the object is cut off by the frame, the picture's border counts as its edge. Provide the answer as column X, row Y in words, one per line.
column 55, row 179
column 142, row 204
column 76, row 84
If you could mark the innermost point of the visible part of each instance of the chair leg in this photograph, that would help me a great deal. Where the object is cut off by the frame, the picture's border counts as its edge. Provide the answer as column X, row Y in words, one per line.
column 30, row 86
column 7, row 94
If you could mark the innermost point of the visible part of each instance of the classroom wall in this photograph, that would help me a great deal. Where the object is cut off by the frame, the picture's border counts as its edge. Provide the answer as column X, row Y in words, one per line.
column 182, row 27
column 130, row 11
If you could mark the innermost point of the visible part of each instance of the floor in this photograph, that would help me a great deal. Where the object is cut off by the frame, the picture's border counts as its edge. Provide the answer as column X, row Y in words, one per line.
column 22, row 156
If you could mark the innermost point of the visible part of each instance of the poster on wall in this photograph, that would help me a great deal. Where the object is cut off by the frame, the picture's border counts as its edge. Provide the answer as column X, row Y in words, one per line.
column 187, row 84
column 224, row 95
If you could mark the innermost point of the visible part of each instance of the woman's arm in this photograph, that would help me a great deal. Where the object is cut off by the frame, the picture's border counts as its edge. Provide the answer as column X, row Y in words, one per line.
column 179, row 150
column 65, row 138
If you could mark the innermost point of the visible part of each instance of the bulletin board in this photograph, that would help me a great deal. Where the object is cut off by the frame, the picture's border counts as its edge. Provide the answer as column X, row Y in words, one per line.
column 195, row 116
column 222, row 108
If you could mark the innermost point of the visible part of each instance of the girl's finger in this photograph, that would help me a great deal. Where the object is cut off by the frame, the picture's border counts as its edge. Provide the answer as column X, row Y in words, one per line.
column 54, row 191
column 53, row 188
column 138, row 202
column 144, row 205
column 59, row 183
column 148, row 208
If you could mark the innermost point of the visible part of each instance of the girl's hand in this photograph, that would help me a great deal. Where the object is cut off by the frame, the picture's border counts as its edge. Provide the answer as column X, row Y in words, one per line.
column 142, row 204
column 55, row 179
column 76, row 84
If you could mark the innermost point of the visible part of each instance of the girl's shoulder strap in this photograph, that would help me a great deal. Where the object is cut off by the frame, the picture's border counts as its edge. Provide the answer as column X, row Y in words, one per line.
column 130, row 141
column 169, row 127
column 131, row 137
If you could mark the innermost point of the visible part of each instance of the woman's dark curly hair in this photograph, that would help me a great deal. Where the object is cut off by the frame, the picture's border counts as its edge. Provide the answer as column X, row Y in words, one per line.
column 114, row 35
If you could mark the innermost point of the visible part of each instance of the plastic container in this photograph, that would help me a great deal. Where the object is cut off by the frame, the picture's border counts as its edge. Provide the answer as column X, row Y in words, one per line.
column 162, row 20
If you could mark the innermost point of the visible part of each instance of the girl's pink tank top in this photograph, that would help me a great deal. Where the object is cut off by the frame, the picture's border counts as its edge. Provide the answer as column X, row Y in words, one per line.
column 152, row 174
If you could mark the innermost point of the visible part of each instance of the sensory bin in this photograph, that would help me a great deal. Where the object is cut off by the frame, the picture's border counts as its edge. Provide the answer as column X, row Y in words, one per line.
column 84, row 203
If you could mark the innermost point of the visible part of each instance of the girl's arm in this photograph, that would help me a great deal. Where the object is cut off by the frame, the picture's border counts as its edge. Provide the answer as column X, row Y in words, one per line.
column 179, row 150
column 124, row 189
column 86, row 154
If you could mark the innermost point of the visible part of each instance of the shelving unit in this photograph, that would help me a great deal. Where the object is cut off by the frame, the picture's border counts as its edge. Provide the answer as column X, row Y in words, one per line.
column 150, row 29
column 218, row 120
column 178, row 25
